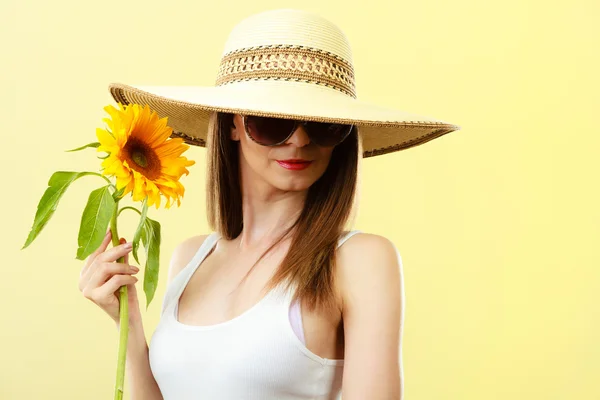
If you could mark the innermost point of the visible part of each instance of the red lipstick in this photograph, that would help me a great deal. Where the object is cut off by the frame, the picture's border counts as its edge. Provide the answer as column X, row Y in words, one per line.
column 294, row 163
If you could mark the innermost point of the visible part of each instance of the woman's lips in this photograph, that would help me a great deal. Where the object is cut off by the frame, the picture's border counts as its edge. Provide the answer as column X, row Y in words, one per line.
column 294, row 165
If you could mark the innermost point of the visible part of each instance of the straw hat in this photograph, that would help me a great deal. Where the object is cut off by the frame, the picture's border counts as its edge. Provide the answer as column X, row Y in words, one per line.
column 288, row 64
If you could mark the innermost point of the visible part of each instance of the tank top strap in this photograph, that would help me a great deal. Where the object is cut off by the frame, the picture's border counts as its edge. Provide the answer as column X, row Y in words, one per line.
column 285, row 295
column 347, row 236
column 182, row 277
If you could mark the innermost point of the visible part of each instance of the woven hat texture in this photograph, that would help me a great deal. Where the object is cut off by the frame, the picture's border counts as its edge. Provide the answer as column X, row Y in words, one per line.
column 285, row 63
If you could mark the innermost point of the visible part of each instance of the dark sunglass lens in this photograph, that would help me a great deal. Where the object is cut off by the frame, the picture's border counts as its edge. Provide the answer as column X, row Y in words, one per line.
column 326, row 134
column 268, row 131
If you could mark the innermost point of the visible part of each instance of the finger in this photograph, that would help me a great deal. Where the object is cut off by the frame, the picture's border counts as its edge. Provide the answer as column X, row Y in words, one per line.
column 113, row 254
column 90, row 259
column 106, row 271
column 112, row 285
column 126, row 259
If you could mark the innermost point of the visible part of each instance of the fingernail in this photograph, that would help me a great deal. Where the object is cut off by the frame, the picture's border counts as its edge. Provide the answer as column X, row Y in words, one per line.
column 128, row 245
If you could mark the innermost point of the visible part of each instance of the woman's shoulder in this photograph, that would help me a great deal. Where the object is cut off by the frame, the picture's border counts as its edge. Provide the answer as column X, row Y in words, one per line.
column 357, row 247
column 360, row 238
column 183, row 254
column 364, row 257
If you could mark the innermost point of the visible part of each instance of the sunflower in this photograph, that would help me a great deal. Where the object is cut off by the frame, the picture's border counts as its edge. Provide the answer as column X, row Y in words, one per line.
column 140, row 156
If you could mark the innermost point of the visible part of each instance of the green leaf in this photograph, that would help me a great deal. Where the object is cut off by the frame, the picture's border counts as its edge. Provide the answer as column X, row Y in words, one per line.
column 140, row 227
column 151, row 240
column 94, row 144
column 57, row 185
column 94, row 221
column 102, row 158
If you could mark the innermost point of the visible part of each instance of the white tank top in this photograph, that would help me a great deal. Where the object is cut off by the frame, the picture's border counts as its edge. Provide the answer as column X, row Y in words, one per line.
column 254, row 356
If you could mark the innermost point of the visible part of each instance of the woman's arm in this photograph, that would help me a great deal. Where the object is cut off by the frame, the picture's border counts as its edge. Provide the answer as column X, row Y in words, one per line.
column 369, row 272
column 142, row 384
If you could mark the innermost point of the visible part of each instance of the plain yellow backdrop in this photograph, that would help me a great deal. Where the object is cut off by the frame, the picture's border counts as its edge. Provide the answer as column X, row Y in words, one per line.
column 498, row 224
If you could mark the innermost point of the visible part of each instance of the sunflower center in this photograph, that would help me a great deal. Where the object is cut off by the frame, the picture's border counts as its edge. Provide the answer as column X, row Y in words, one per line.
column 142, row 158
column 139, row 157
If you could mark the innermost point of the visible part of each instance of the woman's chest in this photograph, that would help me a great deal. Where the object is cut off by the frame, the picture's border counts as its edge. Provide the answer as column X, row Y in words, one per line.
column 212, row 296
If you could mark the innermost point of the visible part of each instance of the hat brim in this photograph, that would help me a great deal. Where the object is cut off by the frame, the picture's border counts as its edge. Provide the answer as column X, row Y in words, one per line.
column 188, row 108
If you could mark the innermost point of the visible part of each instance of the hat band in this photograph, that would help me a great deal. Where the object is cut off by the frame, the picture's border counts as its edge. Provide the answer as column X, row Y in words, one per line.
column 288, row 62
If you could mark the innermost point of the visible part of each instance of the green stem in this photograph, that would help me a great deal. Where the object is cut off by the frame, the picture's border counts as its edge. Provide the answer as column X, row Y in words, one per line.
column 123, row 316
column 132, row 208
column 107, row 180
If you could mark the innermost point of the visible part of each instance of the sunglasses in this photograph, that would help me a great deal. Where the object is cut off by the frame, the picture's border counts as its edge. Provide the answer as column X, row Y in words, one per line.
column 269, row 131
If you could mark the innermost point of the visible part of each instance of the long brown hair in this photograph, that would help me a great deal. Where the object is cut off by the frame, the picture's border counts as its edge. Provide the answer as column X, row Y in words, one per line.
column 329, row 205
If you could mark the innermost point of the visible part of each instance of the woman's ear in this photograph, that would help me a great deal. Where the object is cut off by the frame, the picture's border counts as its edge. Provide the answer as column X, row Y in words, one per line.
column 234, row 131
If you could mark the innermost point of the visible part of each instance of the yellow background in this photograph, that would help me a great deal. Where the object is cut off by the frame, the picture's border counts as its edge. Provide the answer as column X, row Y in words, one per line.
column 498, row 224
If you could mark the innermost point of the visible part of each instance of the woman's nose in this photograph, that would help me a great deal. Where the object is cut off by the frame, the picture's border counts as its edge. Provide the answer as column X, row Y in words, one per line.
column 299, row 137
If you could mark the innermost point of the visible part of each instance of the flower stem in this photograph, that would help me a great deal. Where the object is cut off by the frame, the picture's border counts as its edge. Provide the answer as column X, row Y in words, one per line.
column 105, row 178
column 123, row 316
column 132, row 208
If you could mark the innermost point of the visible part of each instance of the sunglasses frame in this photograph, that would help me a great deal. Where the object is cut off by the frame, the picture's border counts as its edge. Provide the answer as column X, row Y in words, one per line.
column 296, row 123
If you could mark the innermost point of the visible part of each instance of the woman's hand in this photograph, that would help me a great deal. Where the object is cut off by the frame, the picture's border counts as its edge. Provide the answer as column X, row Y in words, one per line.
column 101, row 278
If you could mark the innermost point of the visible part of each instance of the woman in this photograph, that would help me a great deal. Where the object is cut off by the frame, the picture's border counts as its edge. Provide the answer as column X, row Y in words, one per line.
column 280, row 301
